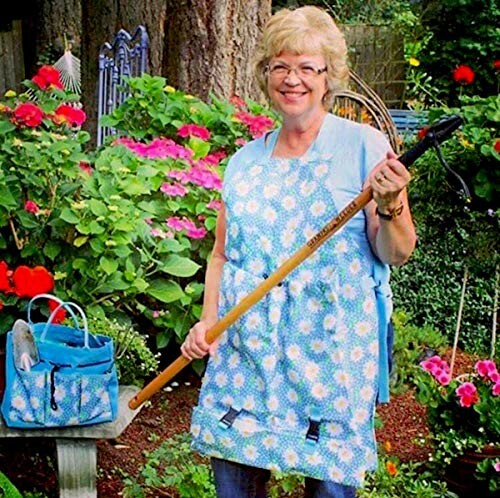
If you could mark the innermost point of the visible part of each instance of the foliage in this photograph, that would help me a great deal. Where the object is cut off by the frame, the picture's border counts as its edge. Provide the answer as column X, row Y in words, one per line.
column 463, row 412
column 147, row 213
column 135, row 362
column 378, row 12
column 411, row 344
column 8, row 489
column 454, row 234
column 172, row 465
column 41, row 149
column 462, row 32
column 393, row 479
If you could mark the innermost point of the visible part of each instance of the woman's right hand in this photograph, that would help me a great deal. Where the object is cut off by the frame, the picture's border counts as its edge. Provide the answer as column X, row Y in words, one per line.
column 195, row 346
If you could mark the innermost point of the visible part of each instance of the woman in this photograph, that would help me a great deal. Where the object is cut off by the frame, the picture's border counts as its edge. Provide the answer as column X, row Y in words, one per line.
column 292, row 385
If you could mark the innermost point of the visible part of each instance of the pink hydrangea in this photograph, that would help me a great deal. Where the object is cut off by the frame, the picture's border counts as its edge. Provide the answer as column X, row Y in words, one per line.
column 158, row 148
column 174, row 190
column 196, row 233
column 215, row 204
column 193, row 130
column 257, row 125
column 496, row 389
column 175, row 223
column 496, row 466
column 438, row 368
column 486, row 368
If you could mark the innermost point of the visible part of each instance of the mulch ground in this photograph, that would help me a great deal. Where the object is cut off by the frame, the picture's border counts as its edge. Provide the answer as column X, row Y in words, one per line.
column 31, row 463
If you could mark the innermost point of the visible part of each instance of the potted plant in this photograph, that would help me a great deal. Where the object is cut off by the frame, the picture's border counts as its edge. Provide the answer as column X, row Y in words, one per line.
column 464, row 423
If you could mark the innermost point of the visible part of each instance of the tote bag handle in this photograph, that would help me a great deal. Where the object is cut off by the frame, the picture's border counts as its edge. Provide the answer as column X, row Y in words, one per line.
column 67, row 306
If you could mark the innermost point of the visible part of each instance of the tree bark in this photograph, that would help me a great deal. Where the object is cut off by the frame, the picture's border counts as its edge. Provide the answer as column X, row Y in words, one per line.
column 210, row 45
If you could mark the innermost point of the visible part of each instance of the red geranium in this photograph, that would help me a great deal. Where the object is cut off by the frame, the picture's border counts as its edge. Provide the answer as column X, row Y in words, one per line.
column 464, row 75
column 28, row 282
column 70, row 115
column 5, row 273
column 48, row 77
column 496, row 65
column 31, row 207
column 60, row 315
column 27, row 114
column 497, row 145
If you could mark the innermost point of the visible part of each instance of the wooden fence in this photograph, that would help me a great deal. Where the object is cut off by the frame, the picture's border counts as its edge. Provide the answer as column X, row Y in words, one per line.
column 11, row 58
column 376, row 54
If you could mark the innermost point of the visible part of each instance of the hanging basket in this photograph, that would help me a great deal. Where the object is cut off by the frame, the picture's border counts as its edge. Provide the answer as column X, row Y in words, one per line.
column 460, row 474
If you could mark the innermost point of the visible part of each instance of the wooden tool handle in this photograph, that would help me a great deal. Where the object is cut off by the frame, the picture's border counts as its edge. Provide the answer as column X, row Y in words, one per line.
column 258, row 293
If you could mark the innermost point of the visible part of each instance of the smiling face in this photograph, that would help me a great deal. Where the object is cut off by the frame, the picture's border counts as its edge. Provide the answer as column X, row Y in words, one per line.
column 297, row 84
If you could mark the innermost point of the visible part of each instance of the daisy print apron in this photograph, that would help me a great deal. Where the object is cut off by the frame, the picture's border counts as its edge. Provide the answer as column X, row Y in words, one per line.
column 293, row 384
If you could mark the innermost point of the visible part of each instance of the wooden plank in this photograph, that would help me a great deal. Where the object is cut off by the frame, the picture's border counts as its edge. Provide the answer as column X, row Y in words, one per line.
column 18, row 53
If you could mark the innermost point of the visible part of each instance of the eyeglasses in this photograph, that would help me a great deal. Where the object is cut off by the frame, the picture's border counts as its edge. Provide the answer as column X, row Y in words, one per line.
column 304, row 72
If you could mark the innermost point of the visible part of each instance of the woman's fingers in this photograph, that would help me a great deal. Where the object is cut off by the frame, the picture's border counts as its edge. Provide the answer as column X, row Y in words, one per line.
column 195, row 345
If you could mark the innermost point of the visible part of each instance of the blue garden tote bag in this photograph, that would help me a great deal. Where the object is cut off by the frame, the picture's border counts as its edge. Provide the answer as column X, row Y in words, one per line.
column 71, row 381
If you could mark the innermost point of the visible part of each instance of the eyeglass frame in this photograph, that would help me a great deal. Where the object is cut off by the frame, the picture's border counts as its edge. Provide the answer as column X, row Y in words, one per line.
column 295, row 69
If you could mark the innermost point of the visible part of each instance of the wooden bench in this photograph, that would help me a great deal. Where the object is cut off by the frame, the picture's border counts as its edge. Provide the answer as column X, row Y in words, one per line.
column 408, row 122
column 77, row 449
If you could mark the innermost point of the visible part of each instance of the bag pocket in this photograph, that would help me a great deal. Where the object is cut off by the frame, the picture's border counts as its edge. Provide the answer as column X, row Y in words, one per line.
column 27, row 397
column 98, row 393
column 62, row 398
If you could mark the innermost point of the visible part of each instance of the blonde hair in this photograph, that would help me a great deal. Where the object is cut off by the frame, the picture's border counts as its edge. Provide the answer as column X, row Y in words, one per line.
column 306, row 30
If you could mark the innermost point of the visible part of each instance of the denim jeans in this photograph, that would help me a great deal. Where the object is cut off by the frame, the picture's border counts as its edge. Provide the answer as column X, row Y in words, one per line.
column 235, row 480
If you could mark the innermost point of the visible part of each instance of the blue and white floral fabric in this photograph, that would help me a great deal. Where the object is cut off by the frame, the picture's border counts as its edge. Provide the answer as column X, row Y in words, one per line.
column 293, row 384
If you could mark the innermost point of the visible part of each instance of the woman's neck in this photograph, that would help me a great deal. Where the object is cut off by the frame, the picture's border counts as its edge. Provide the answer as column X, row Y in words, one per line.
column 295, row 137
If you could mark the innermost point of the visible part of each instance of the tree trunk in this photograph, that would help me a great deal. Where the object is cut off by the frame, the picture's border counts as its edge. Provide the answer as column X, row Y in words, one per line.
column 210, row 45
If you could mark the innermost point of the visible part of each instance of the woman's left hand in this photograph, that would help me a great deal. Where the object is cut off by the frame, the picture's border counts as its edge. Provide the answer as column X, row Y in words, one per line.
column 387, row 180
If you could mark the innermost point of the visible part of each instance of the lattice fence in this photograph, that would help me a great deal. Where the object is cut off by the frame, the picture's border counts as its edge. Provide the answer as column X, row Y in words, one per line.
column 376, row 54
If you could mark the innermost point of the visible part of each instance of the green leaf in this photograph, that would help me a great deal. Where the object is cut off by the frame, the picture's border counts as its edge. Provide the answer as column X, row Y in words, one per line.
column 98, row 207
column 8, row 200
column 199, row 147
column 6, row 126
column 108, row 265
column 165, row 290
column 179, row 266
column 69, row 216
column 27, row 220
column 79, row 241
column 51, row 249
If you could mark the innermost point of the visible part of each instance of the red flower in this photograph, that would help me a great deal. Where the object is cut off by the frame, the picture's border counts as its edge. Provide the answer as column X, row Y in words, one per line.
column 27, row 114
column 422, row 132
column 60, row 315
column 70, row 115
column 48, row 77
column 28, row 282
column 85, row 167
column 391, row 468
column 5, row 273
column 1, row 305
column 496, row 65
column 497, row 145
column 464, row 75
column 31, row 207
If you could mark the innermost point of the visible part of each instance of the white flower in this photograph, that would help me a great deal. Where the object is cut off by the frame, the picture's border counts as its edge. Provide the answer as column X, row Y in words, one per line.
column 249, row 403
column 227, row 442
column 335, row 474
column 306, row 276
column 355, row 266
column 254, row 343
column 360, row 416
column 34, row 402
column 293, row 352
column 272, row 403
column 341, row 246
column 317, row 208
column 234, row 360
column 362, row 328
column 293, row 223
column 292, row 396
column 291, row 179
column 256, row 266
column 250, row 452
column 265, row 244
column 369, row 305
column 274, row 315
column 208, row 401
column 288, row 202
column 307, row 188
column 283, row 166
column 270, row 442
column 320, row 170
column 253, row 320
column 242, row 188
column 348, row 291
column 333, row 429
column 314, row 459
column 356, row 354
column 337, row 356
column 319, row 391
column 271, row 190
column 366, row 393
column 238, row 380
column 234, row 254
column 288, row 238
column 19, row 403
column 269, row 214
column 291, row 418
column 269, row 362
column 255, row 170
column 309, row 232
column 370, row 370
column 318, row 347
column 305, row 327
column 373, row 348
column 291, row 457
column 329, row 322
column 345, row 455
column 40, row 381
column 293, row 376
column 252, row 206
column 314, row 304
column 208, row 437
column 238, row 207
column 221, row 379
column 343, row 378
column 341, row 404
column 311, row 371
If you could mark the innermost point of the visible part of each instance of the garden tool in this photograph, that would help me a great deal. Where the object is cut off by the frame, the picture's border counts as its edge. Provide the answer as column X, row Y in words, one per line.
column 434, row 135
column 24, row 347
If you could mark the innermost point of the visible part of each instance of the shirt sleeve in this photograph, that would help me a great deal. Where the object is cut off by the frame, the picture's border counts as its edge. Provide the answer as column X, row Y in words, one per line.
column 376, row 145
